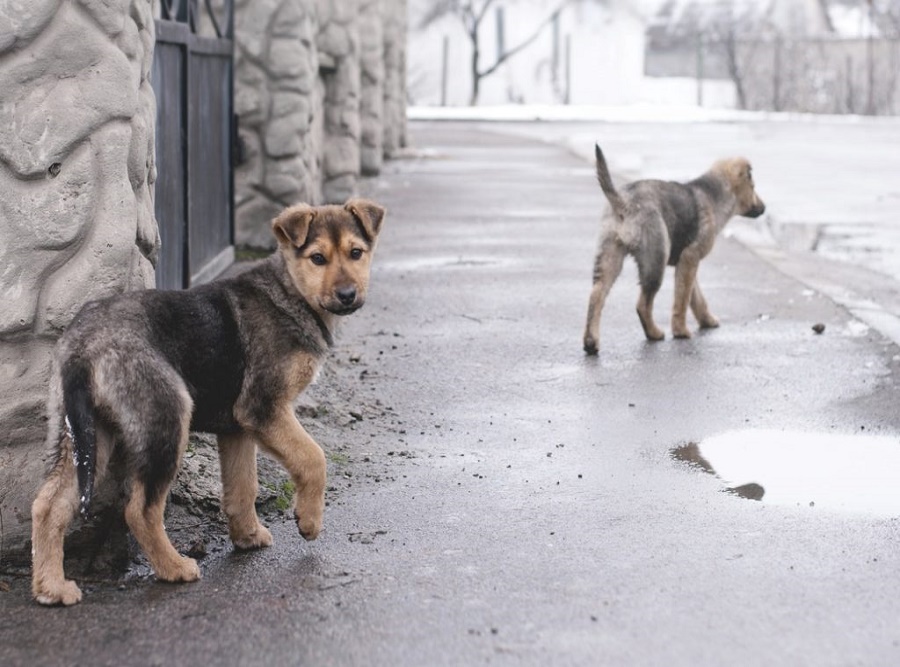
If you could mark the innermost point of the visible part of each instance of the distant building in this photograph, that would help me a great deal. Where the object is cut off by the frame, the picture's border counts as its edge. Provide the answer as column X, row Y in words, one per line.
column 592, row 52
column 824, row 56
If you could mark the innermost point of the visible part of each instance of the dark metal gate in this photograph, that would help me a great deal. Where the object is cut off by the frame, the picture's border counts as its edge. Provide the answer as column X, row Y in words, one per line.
column 192, row 78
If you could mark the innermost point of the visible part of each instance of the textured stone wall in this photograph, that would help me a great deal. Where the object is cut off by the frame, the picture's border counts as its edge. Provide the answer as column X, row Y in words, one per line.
column 77, row 118
column 371, row 108
column 395, row 40
column 340, row 71
column 319, row 91
column 276, row 71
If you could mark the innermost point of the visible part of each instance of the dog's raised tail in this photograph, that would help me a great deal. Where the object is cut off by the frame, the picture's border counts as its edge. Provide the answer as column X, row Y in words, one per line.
column 606, row 184
column 79, row 404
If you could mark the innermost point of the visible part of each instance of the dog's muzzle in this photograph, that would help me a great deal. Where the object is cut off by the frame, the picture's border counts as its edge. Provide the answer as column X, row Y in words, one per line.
column 346, row 295
column 344, row 301
column 756, row 210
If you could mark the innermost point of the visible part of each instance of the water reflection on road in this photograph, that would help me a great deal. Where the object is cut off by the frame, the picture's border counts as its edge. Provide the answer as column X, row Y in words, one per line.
column 852, row 473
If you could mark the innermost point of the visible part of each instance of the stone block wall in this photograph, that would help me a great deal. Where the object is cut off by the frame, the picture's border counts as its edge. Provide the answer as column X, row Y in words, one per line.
column 371, row 104
column 77, row 118
column 394, row 89
column 275, row 90
column 320, row 98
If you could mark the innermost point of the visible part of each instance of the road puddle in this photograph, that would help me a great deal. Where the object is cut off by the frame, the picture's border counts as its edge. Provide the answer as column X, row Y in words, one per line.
column 848, row 473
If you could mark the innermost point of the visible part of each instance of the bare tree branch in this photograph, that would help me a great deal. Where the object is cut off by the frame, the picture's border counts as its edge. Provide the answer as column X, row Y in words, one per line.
column 469, row 19
column 471, row 14
column 484, row 9
column 534, row 35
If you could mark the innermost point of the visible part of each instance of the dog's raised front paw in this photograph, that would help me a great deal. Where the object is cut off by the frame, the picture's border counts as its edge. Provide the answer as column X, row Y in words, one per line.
column 309, row 527
column 309, row 506
column 67, row 593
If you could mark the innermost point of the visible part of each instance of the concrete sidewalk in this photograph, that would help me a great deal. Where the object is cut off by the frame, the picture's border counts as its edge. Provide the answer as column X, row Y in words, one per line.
column 831, row 217
column 503, row 499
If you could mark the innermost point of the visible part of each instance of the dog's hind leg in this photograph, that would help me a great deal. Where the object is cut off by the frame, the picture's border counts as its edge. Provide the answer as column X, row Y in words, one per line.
column 607, row 268
column 287, row 440
column 701, row 310
column 155, row 449
column 144, row 515
column 237, row 453
column 651, row 268
column 51, row 513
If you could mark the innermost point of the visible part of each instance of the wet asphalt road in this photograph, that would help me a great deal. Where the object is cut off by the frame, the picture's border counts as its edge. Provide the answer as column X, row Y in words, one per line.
column 517, row 502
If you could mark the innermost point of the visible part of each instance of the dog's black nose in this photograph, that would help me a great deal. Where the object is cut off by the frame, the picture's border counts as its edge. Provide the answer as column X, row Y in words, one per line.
column 756, row 210
column 346, row 295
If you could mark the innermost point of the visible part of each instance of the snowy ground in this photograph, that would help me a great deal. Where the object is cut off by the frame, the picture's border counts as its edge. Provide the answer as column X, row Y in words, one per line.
column 831, row 183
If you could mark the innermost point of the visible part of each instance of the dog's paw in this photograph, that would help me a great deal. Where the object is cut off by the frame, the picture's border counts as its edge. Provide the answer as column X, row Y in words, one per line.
column 709, row 322
column 183, row 570
column 259, row 538
column 681, row 333
column 590, row 345
column 309, row 507
column 309, row 527
column 65, row 594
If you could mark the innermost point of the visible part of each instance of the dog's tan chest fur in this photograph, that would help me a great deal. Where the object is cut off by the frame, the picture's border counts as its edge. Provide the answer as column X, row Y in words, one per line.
column 304, row 371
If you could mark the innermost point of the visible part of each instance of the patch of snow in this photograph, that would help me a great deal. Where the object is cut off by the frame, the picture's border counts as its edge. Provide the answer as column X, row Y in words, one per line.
column 856, row 329
column 852, row 22
column 633, row 113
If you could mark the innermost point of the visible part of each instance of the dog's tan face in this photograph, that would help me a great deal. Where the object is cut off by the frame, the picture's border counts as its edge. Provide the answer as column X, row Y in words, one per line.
column 328, row 251
column 740, row 175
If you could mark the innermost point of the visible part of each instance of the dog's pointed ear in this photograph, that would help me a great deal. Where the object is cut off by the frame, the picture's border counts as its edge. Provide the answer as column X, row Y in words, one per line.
column 369, row 214
column 292, row 225
column 738, row 169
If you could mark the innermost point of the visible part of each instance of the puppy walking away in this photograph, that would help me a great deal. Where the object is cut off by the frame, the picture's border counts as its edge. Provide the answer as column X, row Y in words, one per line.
column 134, row 373
column 660, row 223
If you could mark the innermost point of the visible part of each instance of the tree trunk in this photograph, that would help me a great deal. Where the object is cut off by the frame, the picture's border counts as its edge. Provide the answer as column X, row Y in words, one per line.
column 476, row 76
column 734, row 70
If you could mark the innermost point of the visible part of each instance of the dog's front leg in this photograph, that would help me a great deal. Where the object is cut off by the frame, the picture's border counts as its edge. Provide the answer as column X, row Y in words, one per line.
column 287, row 440
column 685, row 277
column 240, row 485
column 701, row 310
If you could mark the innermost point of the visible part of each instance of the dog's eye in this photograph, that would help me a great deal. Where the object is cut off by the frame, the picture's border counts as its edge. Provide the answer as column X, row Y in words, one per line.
column 356, row 253
column 318, row 259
